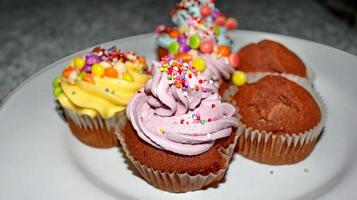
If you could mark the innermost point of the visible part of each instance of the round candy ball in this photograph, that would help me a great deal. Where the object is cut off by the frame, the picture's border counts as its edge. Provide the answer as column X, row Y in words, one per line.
column 97, row 69
column 199, row 64
column 206, row 46
column 217, row 30
column 87, row 68
column 57, row 91
column 184, row 48
column 220, row 21
column 92, row 59
column 194, row 41
column 239, row 78
column 110, row 72
column 224, row 50
column 174, row 33
column 174, row 48
column 233, row 59
column 182, row 40
column 79, row 62
column 205, row 10
column 56, row 82
column 128, row 77
column 231, row 24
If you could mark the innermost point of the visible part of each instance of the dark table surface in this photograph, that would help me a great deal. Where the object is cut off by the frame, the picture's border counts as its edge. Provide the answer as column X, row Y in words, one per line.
column 36, row 33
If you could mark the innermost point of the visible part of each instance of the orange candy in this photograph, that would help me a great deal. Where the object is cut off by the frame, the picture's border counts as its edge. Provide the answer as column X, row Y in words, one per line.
column 67, row 71
column 184, row 56
column 110, row 72
column 224, row 50
column 174, row 33
column 142, row 60
column 88, row 79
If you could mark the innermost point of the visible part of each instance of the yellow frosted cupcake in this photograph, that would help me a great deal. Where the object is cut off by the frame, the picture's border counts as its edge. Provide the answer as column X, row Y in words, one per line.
column 94, row 91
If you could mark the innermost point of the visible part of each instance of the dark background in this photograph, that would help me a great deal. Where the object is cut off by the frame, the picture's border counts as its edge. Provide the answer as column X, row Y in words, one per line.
column 36, row 33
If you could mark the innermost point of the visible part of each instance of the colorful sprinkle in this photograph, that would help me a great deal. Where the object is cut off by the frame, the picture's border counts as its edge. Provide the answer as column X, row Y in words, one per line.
column 128, row 77
column 239, row 78
column 97, row 69
column 78, row 62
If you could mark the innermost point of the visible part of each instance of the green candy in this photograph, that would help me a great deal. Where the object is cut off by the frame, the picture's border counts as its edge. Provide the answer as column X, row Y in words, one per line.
column 217, row 30
column 82, row 74
column 174, row 48
column 194, row 42
column 56, row 81
column 57, row 91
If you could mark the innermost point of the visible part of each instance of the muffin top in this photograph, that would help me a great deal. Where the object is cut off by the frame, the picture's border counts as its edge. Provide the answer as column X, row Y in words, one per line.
column 100, row 83
column 277, row 105
column 270, row 56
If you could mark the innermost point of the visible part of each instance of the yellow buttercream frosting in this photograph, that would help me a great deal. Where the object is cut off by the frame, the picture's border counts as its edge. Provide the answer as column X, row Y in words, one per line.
column 104, row 95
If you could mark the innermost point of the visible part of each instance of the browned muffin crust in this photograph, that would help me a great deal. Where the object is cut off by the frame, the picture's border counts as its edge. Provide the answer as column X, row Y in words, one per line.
column 278, row 105
column 270, row 56
column 166, row 161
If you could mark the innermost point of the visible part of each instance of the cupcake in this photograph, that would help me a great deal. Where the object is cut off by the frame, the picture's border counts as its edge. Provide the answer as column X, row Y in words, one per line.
column 280, row 119
column 200, row 38
column 94, row 90
column 181, row 136
column 271, row 56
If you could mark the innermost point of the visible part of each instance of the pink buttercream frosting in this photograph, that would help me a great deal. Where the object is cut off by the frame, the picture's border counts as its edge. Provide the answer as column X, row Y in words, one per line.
column 217, row 68
column 184, row 119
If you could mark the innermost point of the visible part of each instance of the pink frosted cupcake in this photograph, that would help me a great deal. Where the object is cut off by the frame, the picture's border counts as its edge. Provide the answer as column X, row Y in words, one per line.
column 181, row 135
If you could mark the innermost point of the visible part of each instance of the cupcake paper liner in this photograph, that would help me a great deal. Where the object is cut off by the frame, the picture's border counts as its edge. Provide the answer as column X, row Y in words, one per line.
column 95, row 132
column 180, row 182
column 268, row 148
column 253, row 76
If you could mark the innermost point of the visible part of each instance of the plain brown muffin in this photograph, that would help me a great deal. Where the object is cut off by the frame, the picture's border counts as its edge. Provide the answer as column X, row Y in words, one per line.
column 270, row 56
column 166, row 161
column 278, row 105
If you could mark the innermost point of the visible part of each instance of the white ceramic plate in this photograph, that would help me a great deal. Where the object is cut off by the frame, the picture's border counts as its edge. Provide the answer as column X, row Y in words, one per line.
column 40, row 159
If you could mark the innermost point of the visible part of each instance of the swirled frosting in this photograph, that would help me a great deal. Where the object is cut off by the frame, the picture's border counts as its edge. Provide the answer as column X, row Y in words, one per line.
column 179, row 111
column 101, row 83
column 218, row 68
column 201, row 35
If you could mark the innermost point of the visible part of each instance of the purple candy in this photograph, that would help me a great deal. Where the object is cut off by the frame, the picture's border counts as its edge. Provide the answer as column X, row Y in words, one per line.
column 216, row 13
column 92, row 59
column 182, row 40
column 184, row 48
column 87, row 68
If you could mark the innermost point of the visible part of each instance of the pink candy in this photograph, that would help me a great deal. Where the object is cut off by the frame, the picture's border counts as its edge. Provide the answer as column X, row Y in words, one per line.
column 220, row 21
column 233, row 60
column 231, row 23
column 206, row 46
column 205, row 10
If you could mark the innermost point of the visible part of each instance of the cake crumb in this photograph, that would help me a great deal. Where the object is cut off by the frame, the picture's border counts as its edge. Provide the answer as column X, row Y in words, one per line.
column 306, row 170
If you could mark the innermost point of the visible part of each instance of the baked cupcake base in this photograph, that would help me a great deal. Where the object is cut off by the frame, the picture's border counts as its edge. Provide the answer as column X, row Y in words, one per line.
column 175, row 181
column 95, row 132
column 267, row 148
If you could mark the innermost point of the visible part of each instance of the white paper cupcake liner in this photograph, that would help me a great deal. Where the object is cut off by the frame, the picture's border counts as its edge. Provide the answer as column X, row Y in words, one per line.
column 268, row 148
column 254, row 76
column 180, row 182
column 96, row 131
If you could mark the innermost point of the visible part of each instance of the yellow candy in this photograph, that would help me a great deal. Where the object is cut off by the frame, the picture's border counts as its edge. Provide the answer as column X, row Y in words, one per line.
column 239, row 78
column 199, row 64
column 78, row 62
column 128, row 77
column 97, row 69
